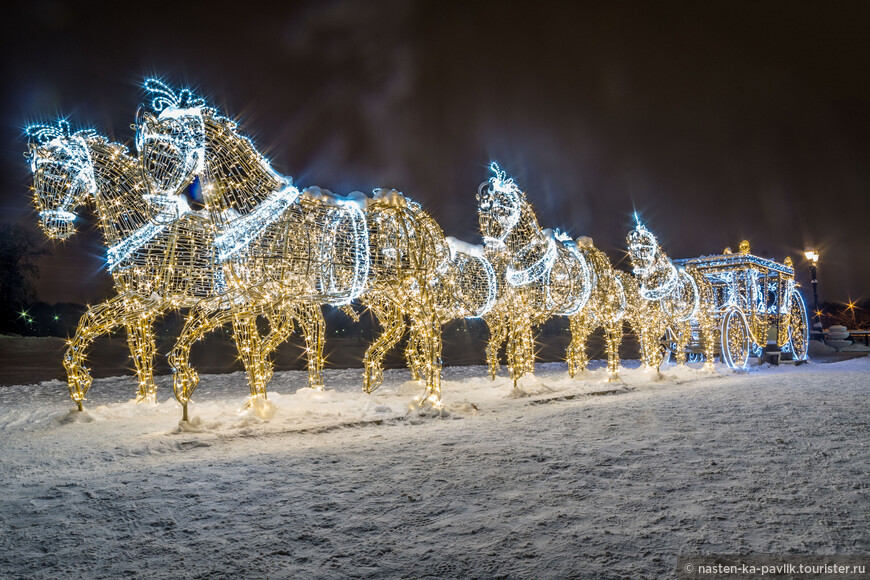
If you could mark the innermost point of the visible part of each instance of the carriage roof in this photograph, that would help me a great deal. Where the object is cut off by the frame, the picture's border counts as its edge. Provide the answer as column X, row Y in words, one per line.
column 725, row 262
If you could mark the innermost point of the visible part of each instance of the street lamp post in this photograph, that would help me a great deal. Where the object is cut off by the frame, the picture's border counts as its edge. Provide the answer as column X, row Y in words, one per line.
column 813, row 258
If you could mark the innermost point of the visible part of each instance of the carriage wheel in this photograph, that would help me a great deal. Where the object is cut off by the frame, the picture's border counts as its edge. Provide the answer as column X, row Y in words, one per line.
column 798, row 327
column 735, row 339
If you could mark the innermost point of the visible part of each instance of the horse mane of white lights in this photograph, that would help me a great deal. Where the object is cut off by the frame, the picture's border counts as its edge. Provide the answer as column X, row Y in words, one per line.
column 260, row 246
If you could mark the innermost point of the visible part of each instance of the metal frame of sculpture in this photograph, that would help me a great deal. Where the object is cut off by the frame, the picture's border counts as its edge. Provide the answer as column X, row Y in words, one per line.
column 262, row 247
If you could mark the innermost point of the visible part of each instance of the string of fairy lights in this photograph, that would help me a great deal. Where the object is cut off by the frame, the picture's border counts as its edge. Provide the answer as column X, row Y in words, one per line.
column 261, row 246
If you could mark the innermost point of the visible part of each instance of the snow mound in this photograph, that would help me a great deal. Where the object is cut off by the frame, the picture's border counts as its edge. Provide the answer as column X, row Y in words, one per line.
column 817, row 347
column 611, row 477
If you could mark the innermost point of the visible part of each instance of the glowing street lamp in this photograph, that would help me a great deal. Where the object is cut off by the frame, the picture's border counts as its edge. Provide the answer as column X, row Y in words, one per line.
column 813, row 258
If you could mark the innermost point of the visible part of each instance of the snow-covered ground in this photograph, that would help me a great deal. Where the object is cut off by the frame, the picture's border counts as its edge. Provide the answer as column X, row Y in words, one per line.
column 579, row 477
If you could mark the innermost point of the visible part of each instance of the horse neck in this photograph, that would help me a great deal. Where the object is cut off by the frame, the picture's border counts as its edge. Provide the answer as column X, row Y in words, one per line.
column 598, row 260
column 236, row 176
column 526, row 231
column 118, row 198
column 661, row 262
column 410, row 228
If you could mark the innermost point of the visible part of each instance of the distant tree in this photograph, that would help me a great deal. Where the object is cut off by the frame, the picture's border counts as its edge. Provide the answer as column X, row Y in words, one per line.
column 19, row 251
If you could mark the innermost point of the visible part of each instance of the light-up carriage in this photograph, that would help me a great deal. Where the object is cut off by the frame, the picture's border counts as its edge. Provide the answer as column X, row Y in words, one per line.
column 755, row 304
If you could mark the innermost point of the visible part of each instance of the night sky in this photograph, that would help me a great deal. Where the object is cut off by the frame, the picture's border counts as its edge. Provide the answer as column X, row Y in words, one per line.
column 715, row 121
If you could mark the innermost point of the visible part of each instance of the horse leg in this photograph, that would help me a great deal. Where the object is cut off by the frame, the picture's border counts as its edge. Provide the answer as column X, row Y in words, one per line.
column 314, row 328
column 498, row 334
column 708, row 337
column 205, row 317
column 581, row 328
column 656, row 328
column 683, row 332
column 651, row 347
column 612, row 340
column 511, row 352
column 393, row 322
column 282, row 322
column 249, row 345
column 428, row 331
column 415, row 354
column 520, row 347
column 96, row 321
column 435, row 370
column 281, row 325
column 649, row 341
column 528, row 350
column 140, row 337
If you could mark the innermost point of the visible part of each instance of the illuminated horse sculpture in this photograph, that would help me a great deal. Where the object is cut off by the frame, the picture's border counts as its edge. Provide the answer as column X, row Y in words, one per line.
column 277, row 249
column 160, row 256
column 546, row 274
column 281, row 247
column 680, row 298
column 613, row 301
column 172, row 156
column 418, row 273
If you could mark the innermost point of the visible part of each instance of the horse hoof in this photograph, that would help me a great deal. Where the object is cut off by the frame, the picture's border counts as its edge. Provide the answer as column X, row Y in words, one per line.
column 148, row 398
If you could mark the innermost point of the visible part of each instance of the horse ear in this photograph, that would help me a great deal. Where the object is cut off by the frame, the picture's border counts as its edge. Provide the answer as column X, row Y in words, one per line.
column 142, row 117
column 146, row 116
column 138, row 117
